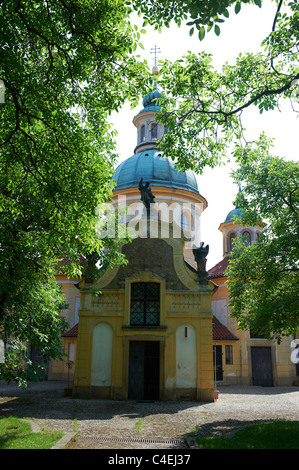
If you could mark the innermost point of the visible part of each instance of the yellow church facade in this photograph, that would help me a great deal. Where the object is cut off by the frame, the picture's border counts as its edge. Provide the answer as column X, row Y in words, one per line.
column 149, row 334
column 160, row 328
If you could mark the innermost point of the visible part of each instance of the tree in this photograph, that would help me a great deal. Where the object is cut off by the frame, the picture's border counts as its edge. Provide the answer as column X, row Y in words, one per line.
column 202, row 15
column 203, row 110
column 263, row 279
column 65, row 66
column 203, row 107
column 34, row 323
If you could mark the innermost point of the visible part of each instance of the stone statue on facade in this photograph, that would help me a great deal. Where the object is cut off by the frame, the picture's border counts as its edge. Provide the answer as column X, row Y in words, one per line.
column 200, row 254
column 147, row 196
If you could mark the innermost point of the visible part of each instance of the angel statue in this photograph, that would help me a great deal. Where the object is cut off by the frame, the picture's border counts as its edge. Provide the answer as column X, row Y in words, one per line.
column 200, row 255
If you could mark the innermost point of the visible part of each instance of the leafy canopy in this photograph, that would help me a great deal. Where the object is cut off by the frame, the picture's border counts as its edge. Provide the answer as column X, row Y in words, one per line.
column 204, row 106
column 263, row 279
column 65, row 66
column 201, row 15
column 203, row 112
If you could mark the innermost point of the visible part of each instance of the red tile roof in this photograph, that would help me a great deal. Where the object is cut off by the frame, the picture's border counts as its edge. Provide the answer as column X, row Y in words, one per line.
column 219, row 269
column 221, row 332
column 73, row 332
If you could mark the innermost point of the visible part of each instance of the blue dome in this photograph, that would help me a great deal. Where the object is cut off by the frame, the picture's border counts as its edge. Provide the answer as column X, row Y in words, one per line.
column 157, row 170
column 149, row 101
column 237, row 212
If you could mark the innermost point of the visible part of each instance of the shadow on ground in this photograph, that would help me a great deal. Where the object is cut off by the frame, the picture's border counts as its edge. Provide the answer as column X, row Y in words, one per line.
column 223, row 427
column 46, row 402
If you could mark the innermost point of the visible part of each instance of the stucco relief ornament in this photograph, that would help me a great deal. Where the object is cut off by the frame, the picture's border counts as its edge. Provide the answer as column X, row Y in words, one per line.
column 200, row 255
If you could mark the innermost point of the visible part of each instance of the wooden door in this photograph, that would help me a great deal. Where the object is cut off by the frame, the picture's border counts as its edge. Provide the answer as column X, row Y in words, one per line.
column 218, row 366
column 144, row 370
column 261, row 362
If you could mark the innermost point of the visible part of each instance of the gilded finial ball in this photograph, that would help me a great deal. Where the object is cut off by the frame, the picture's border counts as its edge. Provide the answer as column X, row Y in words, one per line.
column 155, row 70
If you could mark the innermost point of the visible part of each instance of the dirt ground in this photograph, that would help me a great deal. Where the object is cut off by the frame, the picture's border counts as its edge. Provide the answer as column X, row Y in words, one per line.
column 107, row 424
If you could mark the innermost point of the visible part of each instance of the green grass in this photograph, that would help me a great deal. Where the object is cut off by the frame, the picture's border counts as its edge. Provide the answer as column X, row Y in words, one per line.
column 139, row 424
column 270, row 435
column 75, row 426
column 17, row 434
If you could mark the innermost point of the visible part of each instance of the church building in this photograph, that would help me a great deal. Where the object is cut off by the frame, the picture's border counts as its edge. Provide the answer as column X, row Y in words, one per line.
column 148, row 336
column 160, row 328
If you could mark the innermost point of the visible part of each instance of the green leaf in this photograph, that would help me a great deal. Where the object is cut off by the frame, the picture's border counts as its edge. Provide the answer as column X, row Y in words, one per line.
column 201, row 33
column 237, row 7
column 217, row 30
column 191, row 32
column 48, row 207
column 263, row 278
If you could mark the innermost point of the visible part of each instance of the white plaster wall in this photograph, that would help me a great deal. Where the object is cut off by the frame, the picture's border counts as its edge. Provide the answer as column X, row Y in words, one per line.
column 102, row 355
column 186, row 363
column 219, row 308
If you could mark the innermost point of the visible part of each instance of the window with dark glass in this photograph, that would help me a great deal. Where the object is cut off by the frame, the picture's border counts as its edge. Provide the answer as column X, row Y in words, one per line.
column 142, row 136
column 256, row 334
column 247, row 238
column 184, row 222
column 228, row 354
column 145, row 304
column 231, row 241
column 154, row 131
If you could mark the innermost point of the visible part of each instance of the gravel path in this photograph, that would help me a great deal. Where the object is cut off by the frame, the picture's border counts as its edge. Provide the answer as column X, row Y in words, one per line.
column 158, row 425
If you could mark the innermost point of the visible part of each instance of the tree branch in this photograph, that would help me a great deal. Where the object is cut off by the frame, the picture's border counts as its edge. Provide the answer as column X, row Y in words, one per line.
column 276, row 15
column 227, row 114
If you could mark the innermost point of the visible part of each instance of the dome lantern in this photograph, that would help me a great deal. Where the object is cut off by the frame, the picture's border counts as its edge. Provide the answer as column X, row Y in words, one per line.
column 149, row 130
column 148, row 161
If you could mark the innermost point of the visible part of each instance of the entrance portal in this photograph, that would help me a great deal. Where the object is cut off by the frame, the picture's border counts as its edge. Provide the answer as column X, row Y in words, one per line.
column 144, row 370
column 217, row 359
column 261, row 366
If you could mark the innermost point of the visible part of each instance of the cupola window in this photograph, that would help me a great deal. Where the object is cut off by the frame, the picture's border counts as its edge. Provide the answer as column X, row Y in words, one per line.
column 142, row 133
column 185, row 222
column 154, row 131
column 231, row 241
column 247, row 237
